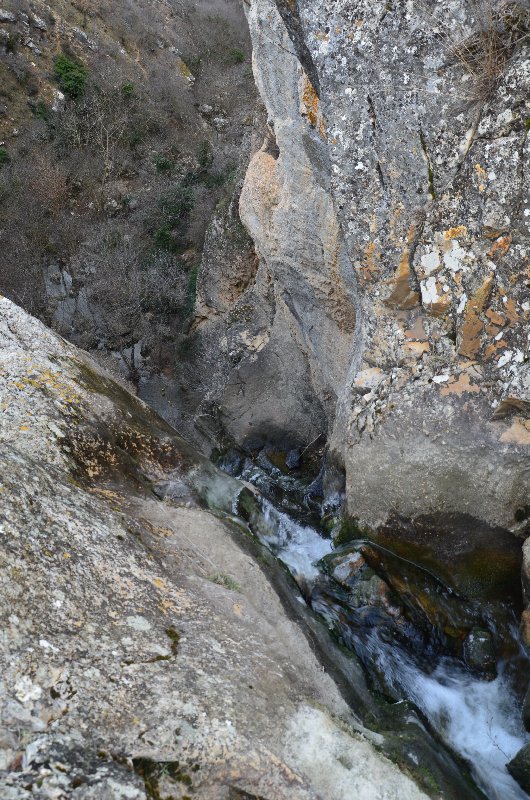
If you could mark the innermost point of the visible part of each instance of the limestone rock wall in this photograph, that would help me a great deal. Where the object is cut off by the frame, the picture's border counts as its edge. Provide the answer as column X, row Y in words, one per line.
column 428, row 146
column 283, row 349
column 390, row 213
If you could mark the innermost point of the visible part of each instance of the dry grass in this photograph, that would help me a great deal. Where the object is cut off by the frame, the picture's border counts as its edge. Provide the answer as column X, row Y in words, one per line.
column 501, row 27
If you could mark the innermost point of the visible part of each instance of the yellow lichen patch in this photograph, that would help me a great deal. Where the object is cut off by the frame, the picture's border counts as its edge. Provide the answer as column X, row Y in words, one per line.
column 159, row 583
column 156, row 530
column 167, row 606
column 107, row 494
column 453, row 233
column 518, row 432
column 394, row 222
column 482, row 176
column 458, row 384
column 472, row 325
column 310, row 106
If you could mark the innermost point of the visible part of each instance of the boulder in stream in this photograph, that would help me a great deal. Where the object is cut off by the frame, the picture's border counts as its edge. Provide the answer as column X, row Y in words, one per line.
column 519, row 768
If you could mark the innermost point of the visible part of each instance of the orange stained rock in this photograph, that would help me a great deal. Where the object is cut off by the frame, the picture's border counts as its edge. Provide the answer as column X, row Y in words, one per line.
column 403, row 295
column 500, row 246
column 417, row 348
column 310, row 107
column 511, row 311
column 493, row 348
column 372, row 258
column 495, row 318
column 458, row 385
column 440, row 307
column 417, row 330
column 492, row 233
column 518, row 432
column 472, row 325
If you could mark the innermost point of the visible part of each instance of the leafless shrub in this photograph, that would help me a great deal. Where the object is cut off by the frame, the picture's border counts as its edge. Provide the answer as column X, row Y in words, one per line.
column 102, row 121
column 36, row 226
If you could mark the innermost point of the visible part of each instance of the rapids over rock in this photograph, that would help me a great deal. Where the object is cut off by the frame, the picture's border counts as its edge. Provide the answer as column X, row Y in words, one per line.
column 458, row 659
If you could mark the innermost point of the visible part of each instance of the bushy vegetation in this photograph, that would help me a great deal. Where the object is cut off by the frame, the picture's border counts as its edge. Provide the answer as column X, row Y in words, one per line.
column 113, row 187
column 71, row 74
column 226, row 581
column 236, row 56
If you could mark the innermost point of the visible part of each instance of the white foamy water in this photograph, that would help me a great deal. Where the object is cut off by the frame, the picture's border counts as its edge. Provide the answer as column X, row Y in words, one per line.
column 480, row 720
column 298, row 546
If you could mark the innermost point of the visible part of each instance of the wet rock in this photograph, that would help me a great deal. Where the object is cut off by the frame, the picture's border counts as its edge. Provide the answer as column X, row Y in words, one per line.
column 519, row 768
column 344, row 568
column 292, row 460
column 479, row 652
column 526, row 710
column 477, row 560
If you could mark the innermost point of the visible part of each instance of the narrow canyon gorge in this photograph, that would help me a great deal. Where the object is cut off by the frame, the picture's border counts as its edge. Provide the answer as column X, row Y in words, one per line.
column 265, row 399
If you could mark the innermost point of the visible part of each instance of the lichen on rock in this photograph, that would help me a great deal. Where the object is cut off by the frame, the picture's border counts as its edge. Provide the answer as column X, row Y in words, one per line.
column 127, row 672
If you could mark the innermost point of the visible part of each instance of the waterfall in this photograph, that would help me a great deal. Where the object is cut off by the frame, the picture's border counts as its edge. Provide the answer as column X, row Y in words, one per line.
column 477, row 719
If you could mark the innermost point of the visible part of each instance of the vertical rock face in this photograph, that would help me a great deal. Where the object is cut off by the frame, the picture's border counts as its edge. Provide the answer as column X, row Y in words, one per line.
column 390, row 213
column 288, row 340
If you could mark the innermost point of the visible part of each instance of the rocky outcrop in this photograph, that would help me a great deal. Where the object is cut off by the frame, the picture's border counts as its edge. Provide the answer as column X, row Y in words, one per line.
column 282, row 351
column 388, row 206
column 144, row 652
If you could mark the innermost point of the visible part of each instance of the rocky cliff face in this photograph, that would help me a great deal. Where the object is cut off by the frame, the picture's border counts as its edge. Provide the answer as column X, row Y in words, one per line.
column 144, row 652
column 389, row 307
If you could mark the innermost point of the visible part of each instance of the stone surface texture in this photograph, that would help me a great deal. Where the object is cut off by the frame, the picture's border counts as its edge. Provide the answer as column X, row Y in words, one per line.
column 388, row 204
column 144, row 653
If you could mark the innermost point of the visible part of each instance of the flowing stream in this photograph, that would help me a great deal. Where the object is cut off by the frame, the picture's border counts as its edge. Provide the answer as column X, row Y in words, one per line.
column 478, row 719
